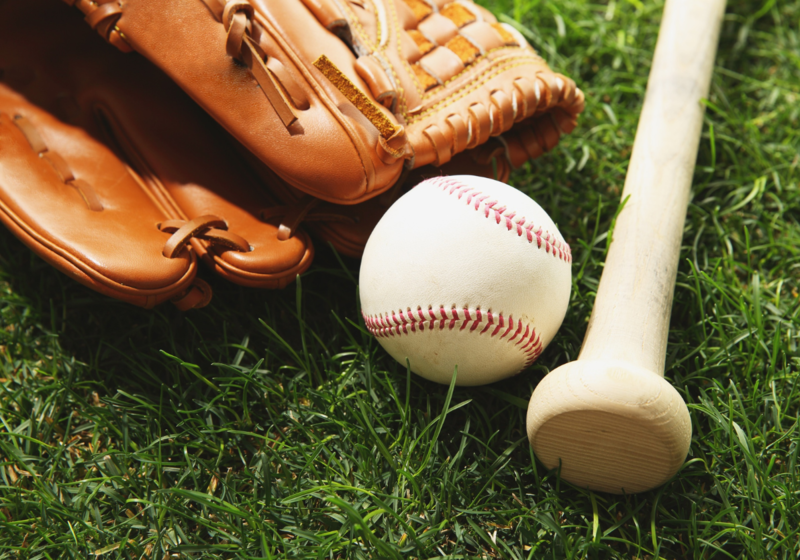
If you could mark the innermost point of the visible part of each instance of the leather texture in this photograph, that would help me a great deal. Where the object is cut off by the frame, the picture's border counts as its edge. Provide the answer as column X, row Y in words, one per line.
column 112, row 174
column 348, row 227
column 340, row 98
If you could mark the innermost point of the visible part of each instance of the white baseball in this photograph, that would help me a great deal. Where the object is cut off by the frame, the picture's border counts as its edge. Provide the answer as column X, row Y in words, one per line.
column 469, row 272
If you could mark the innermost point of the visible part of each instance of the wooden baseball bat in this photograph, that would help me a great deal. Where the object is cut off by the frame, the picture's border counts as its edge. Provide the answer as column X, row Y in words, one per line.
column 610, row 419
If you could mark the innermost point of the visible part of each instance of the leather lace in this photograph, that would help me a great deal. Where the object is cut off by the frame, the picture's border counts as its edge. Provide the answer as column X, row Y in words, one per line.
column 198, row 295
column 102, row 16
column 306, row 209
column 214, row 230
column 246, row 43
column 208, row 228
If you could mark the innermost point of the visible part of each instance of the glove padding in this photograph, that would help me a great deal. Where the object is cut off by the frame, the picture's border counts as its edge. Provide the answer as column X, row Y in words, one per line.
column 111, row 174
column 338, row 96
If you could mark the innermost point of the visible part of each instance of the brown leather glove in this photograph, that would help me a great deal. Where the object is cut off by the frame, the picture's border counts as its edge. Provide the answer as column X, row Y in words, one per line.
column 338, row 97
column 113, row 175
column 348, row 227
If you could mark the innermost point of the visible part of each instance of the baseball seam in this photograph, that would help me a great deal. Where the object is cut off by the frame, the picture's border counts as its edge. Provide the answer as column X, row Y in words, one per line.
column 396, row 323
column 504, row 217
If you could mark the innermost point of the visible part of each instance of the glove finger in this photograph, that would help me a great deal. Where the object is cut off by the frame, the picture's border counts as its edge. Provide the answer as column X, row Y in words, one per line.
column 461, row 77
column 334, row 95
column 47, row 169
column 252, row 70
column 541, row 132
column 189, row 165
column 161, row 143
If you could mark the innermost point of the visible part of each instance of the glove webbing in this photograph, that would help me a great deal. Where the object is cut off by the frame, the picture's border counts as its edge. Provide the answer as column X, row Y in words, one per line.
column 449, row 37
column 464, row 46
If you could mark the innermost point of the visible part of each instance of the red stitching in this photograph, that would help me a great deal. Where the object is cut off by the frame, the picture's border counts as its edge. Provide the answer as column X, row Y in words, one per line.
column 397, row 323
column 491, row 208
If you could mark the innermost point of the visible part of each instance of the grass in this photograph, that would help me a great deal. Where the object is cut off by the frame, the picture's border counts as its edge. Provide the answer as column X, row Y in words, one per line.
column 271, row 425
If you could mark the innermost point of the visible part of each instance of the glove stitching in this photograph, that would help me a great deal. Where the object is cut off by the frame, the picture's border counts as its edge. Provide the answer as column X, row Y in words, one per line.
column 376, row 48
column 402, row 107
column 355, row 24
column 524, row 56
column 404, row 61
column 474, row 84
column 530, row 57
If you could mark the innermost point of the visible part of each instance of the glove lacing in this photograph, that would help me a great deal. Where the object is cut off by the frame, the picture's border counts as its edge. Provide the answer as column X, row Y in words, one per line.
column 214, row 230
column 102, row 16
column 208, row 228
column 247, row 43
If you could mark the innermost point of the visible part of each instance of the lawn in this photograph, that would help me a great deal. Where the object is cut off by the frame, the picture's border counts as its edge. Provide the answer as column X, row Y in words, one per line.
column 270, row 424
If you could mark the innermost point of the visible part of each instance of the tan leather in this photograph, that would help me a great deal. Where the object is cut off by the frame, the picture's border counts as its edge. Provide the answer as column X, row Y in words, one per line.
column 404, row 83
column 104, row 250
column 113, row 175
column 348, row 227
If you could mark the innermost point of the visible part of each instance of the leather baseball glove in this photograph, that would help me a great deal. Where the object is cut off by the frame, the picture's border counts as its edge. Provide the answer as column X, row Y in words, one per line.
column 341, row 97
column 113, row 175
column 348, row 227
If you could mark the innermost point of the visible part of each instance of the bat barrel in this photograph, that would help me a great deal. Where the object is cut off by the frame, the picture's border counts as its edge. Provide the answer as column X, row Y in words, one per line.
column 610, row 420
column 642, row 261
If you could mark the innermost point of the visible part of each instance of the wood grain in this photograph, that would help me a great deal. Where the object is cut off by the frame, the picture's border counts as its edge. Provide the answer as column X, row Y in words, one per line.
column 610, row 419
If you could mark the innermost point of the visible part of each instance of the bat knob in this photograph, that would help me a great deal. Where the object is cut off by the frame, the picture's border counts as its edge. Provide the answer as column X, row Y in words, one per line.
column 610, row 425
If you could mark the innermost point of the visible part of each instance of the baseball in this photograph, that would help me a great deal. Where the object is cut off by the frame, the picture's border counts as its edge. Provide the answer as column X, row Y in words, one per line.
column 465, row 272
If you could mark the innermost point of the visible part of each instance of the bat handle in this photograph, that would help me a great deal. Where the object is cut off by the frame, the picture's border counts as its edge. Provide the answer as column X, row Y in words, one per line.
column 609, row 419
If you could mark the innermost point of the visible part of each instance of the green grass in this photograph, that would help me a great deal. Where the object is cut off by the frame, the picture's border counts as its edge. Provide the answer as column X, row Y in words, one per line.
column 271, row 425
